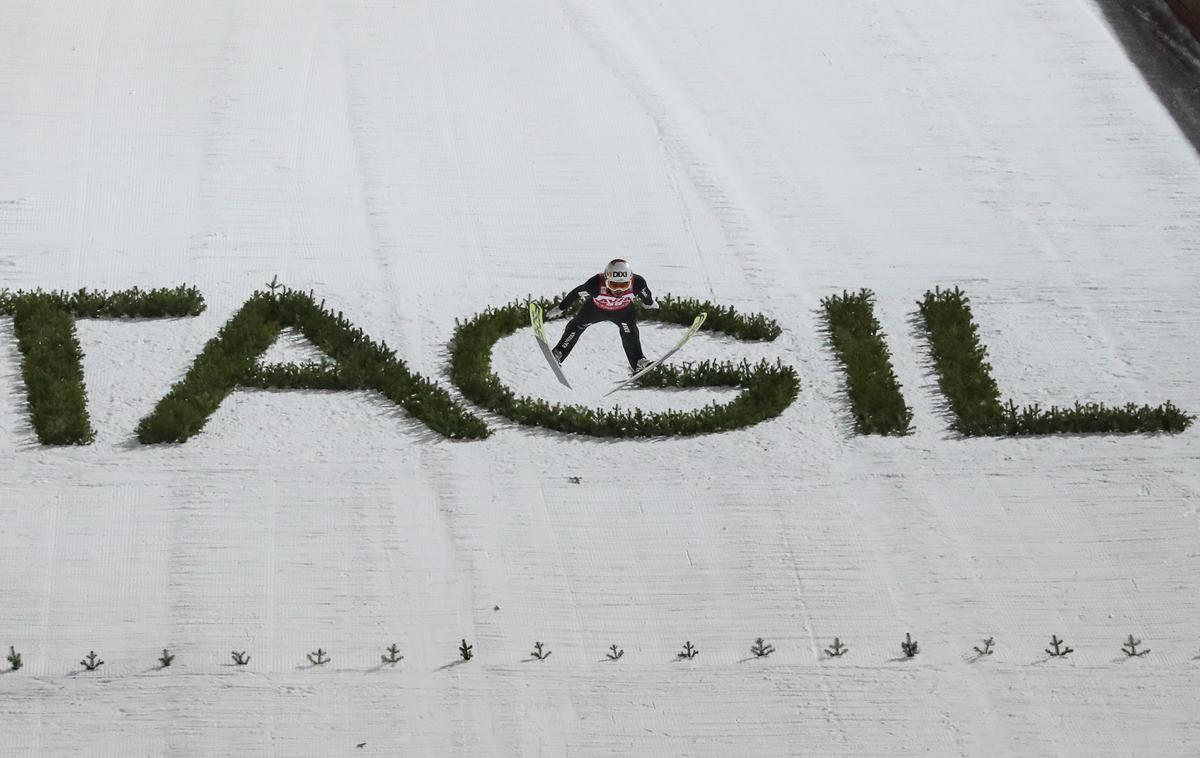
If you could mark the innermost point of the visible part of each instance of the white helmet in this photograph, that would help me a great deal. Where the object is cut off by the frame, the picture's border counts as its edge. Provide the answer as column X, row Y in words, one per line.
column 618, row 276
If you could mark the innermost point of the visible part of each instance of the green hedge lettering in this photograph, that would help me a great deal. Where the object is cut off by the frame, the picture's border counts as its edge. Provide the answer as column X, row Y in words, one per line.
column 767, row 389
column 874, row 391
column 965, row 378
column 231, row 360
column 52, row 360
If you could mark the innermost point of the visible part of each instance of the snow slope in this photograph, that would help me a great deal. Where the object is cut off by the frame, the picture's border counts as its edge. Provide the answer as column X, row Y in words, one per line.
column 414, row 162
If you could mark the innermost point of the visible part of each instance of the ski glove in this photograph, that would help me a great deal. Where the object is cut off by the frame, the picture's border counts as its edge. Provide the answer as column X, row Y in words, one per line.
column 651, row 306
column 553, row 313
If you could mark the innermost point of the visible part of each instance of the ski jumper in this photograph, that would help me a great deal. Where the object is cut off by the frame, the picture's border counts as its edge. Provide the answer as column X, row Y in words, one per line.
column 601, row 304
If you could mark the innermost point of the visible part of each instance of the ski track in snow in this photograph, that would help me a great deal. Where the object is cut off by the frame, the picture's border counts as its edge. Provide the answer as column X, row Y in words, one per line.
column 414, row 163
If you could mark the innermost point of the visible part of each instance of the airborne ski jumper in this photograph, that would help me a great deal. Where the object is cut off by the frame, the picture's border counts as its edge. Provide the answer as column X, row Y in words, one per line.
column 607, row 297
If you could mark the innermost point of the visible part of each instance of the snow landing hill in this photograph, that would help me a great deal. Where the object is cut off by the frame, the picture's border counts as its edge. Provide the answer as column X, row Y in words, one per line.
column 415, row 162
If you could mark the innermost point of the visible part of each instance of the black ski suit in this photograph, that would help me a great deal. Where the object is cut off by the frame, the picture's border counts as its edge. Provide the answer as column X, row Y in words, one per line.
column 602, row 304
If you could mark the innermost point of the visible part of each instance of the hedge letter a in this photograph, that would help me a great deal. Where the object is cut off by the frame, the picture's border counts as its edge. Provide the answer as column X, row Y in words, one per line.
column 231, row 360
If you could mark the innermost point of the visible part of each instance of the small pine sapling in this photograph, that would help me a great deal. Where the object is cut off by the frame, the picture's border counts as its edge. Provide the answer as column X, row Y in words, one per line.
column 241, row 659
column 1130, row 648
column 761, row 649
column 1059, row 651
column 318, row 657
column 165, row 659
column 909, row 646
column 614, row 653
column 689, row 651
column 465, row 650
column 91, row 661
column 987, row 647
column 538, row 653
column 14, row 659
column 837, row 649
column 393, row 655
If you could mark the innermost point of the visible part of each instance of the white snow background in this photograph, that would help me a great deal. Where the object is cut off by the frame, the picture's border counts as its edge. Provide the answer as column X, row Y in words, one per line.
column 414, row 162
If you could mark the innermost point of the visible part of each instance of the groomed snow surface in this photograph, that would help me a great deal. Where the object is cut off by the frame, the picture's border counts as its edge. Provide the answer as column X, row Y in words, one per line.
column 414, row 162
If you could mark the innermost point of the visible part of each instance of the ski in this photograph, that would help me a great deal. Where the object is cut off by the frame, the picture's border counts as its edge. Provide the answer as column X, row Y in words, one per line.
column 696, row 324
column 536, row 319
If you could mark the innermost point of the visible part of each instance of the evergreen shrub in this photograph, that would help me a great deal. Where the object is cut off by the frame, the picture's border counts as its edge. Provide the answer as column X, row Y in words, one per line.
column 231, row 359
column 52, row 360
column 767, row 388
column 965, row 379
column 871, row 384
column 721, row 318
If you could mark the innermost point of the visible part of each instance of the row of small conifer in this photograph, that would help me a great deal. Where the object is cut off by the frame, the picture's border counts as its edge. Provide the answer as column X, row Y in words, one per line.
column 909, row 647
